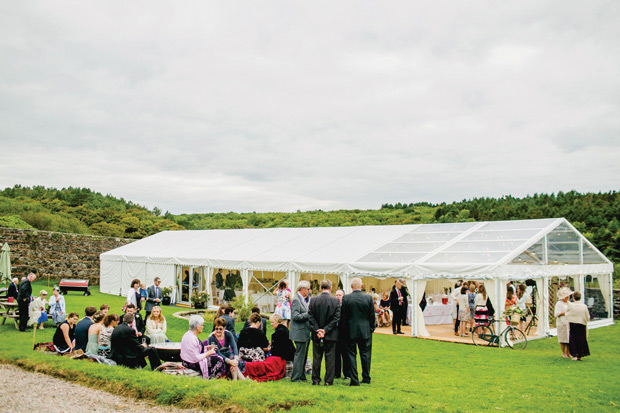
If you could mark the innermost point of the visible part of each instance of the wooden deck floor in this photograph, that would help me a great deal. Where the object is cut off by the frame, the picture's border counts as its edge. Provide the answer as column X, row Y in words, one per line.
column 442, row 332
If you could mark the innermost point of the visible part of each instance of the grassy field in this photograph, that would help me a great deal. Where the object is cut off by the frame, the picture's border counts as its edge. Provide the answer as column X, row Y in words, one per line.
column 406, row 374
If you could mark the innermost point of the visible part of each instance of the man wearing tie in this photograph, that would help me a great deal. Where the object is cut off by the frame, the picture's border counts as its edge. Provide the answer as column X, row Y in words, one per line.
column 398, row 308
column 324, row 311
column 300, row 331
column 358, row 314
column 153, row 297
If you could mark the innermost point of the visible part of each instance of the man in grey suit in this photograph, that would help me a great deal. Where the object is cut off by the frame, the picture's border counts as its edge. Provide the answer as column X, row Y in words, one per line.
column 358, row 317
column 324, row 313
column 153, row 296
column 300, row 331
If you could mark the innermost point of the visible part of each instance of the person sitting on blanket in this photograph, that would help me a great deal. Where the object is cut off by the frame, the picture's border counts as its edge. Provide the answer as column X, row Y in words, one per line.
column 253, row 343
column 64, row 337
column 226, row 347
column 282, row 350
column 126, row 348
column 197, row 356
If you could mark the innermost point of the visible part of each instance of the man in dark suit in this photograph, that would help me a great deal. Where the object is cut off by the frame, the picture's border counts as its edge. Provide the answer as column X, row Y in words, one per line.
column 81, row 329
column 342, row 357
column 153, row 296
column 13, row 289
column 126, row 348
column 23, row 300
column 405, row 293
column 398, row 307
column 300, row 331
column 219, row 280
column 324, row 313
column 358, row 313
column 138, row 324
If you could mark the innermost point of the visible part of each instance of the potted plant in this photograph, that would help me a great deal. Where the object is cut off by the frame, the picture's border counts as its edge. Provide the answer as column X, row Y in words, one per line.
column 200, row 299
column 165, row 293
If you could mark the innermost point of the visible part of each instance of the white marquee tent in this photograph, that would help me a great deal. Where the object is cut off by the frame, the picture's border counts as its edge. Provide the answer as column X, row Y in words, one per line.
column 543, row 250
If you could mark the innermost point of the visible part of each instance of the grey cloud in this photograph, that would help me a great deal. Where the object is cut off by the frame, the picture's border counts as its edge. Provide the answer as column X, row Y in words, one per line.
column 218, row 107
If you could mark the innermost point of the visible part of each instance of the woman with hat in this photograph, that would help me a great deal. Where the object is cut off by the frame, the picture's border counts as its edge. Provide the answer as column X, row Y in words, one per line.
column 57, row 306
column 561, row 322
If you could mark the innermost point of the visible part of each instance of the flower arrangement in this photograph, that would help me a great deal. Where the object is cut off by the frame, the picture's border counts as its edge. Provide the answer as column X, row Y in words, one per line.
column 200, row 299
column 513, row 314
column 166, row 291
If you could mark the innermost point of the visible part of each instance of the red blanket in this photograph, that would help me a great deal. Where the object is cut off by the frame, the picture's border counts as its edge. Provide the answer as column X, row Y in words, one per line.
column 273, row 368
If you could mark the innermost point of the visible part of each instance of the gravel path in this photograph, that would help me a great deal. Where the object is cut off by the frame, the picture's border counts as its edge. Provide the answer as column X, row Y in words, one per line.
column 23, row 391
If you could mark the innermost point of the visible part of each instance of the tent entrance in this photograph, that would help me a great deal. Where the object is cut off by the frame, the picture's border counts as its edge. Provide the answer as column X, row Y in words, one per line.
column 190, row 280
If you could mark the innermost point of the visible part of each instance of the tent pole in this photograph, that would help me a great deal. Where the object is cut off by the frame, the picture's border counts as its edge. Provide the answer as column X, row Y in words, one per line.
column 246, row 285
column 414, row 318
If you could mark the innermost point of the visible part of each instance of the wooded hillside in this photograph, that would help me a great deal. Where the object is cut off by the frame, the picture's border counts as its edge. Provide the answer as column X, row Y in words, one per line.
column 82, row 211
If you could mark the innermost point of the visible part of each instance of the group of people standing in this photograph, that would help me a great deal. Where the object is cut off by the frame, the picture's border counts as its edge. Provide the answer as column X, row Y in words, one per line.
column 470, row 305
column 338, row 327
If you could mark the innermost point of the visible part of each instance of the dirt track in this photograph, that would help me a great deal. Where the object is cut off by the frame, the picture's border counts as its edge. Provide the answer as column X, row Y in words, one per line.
column 23, row 391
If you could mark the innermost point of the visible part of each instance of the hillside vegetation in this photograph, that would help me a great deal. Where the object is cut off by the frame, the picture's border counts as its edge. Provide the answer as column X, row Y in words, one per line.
column 80, row 210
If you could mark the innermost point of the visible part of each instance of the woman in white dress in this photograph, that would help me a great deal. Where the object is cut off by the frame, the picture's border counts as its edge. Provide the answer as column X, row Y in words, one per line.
column 133, row 295
column 36, row 311
column 561, row 322
column 156, row 326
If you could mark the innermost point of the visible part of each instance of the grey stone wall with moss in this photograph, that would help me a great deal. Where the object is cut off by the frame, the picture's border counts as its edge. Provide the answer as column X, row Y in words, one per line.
column 57, row 255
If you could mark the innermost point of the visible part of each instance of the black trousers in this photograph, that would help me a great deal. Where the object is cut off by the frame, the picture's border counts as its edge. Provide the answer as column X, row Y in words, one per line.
column 138, row 361
column 329, row 351
column 457, row 323
column 365, row 349
column 342, row 359
column 23, row 314
column 398, row 316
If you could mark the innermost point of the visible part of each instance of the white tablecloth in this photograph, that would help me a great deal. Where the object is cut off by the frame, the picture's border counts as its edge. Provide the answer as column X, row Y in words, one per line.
column 437, row 314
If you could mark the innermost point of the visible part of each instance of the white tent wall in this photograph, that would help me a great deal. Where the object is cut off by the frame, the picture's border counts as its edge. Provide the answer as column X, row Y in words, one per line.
column 110, row 277
column 165, row 272
column 129, row 272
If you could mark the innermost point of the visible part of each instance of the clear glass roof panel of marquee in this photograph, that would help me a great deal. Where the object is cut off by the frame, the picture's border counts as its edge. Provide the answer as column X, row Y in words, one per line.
column 563, row 246
column 591, row 256
column 418, row 243
column 489, row 243
column 533, row 255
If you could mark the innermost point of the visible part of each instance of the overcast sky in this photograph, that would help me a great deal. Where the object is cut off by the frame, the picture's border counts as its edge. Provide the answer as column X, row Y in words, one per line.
column 279, row 106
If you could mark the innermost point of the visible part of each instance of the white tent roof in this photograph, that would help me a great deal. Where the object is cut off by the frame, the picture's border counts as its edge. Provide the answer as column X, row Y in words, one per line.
column 483, row 249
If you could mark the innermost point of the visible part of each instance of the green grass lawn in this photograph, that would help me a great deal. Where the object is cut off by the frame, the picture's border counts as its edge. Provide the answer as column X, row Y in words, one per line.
column 406, row 374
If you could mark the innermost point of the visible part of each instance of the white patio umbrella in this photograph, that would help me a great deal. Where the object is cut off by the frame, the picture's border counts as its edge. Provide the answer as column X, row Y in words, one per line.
column 5, row 264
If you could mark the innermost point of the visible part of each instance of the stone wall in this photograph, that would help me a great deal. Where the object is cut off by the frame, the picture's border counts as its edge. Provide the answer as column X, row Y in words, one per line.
column 56, row 254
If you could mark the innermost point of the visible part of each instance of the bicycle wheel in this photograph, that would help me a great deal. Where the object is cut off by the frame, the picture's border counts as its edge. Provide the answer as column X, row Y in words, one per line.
column 482, row 335
column 515, row 338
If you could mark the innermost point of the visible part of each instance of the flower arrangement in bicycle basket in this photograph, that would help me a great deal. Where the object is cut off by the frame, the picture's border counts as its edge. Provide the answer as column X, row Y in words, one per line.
column 513, row 314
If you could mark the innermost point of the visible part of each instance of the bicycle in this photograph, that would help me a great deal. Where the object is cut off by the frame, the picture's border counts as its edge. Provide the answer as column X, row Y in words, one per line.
column 484, row 334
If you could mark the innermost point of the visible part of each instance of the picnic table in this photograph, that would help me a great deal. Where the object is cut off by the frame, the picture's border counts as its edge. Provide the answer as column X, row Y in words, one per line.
column 9, row 310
